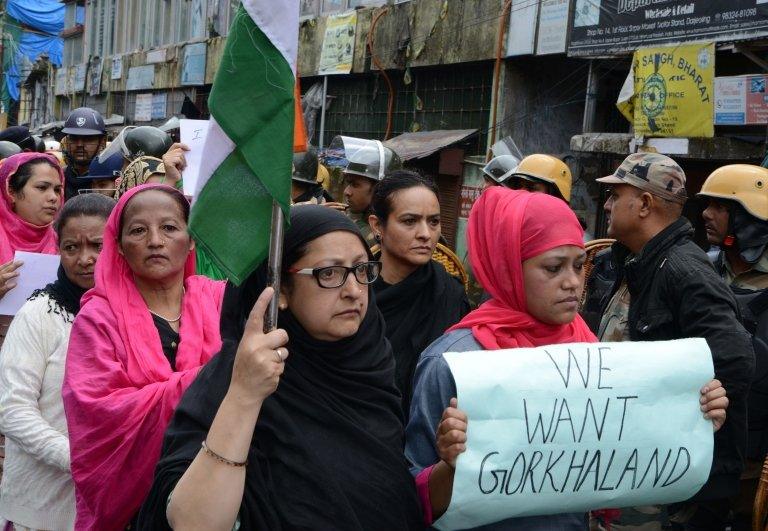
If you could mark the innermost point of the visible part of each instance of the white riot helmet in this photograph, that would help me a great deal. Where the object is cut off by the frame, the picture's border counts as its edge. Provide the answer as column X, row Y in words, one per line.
column 368, row 158
column 500, row 168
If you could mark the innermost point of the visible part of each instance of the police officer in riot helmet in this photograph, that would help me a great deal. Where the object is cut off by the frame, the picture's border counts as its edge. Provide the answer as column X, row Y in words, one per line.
column 736, row 221
column 304, row 185
column 86, row 136
column 8, row 148
column 146, row 141
column 142, row 141
column 499, row 169
column 19, row 135
column 368, row 161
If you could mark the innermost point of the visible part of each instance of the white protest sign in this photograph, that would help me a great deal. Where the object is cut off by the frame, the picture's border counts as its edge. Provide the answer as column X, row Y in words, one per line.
column 576, row 427
column 38, row 271
column 192, row 133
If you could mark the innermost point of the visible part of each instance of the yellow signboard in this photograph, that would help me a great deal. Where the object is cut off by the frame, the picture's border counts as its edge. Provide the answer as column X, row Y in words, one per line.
column 669, row 91
column 338, row 48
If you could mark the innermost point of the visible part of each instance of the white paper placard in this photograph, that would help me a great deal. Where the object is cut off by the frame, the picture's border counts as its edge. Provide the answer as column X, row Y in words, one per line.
column 193, row 134
column 38, row 271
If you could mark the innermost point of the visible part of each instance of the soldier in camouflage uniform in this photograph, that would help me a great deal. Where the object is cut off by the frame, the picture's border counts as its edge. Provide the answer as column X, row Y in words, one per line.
column 736, row 221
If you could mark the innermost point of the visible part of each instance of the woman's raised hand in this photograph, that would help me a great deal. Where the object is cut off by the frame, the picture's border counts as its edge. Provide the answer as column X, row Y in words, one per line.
column 260, row 358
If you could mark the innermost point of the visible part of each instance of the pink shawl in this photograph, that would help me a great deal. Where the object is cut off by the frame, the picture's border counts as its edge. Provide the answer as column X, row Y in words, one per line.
column 15, row 233
column 119, row 389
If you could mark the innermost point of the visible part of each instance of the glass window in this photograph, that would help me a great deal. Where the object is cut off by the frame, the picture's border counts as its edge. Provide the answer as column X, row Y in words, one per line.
column 333, row 6
column 310, row 9
column 182, row 21
column 156, row 22
column 69, row 16
column 109, row 41
column 198, row 19
column 358, row 3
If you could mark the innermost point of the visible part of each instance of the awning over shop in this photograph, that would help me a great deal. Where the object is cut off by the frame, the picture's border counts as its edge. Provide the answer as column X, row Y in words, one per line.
column 424, row 143
column 741, row 148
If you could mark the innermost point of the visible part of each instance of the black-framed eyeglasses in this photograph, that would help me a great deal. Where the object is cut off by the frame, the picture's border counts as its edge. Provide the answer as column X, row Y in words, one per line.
column 335, row 276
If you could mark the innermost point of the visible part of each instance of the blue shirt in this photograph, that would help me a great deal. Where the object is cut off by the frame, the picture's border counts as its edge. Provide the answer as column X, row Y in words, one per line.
column 433, row 389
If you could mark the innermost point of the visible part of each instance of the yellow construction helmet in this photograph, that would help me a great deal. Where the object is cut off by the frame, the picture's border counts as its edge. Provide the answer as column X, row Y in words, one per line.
column 538, row 167
column 744, row 183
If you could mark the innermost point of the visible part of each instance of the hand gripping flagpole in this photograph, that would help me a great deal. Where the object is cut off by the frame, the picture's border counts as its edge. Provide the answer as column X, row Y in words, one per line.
column 273, row 265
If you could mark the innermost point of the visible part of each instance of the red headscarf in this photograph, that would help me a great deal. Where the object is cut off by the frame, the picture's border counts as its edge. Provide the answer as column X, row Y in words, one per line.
column 507, row 227
column 15, row 233
column 119, row 388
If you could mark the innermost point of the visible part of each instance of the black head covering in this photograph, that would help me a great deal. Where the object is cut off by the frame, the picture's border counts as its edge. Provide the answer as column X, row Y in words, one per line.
column 417, row 310
column 64, row 296
column 751, row 233
column 327, row 451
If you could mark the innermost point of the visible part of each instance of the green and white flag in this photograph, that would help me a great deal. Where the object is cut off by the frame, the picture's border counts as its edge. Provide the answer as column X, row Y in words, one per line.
column 249, row 146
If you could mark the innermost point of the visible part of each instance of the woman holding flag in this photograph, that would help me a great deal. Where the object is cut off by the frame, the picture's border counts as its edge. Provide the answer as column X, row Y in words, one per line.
column 311, row 440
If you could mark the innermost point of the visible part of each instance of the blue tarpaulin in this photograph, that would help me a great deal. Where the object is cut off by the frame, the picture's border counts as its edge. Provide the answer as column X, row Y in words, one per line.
column 46, row 18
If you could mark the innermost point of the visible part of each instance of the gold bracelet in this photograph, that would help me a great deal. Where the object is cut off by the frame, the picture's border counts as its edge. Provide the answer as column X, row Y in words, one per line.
column 221, row 459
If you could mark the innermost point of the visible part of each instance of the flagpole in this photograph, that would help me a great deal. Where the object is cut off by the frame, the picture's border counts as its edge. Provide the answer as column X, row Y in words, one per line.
column 273, row 265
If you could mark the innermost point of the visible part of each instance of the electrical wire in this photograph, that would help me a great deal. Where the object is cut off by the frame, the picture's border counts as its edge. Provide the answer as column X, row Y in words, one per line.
column 497, row 73
column 391, row 95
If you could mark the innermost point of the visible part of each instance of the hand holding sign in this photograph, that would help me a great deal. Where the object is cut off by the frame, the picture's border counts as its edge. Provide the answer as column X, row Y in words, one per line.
column 8, row 274
column 34, row 272
column 714, row 403
column 175, row 162
column 452, row 434
column 579, row 432
column 193, row 134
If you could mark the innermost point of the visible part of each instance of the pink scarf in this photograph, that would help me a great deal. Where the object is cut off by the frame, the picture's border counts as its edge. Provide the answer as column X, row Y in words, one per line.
column 507, row 227
column 119, row 389
column 15, row 233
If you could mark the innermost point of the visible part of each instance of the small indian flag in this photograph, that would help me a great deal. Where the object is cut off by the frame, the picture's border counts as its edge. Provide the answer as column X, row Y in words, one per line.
column 249, row 147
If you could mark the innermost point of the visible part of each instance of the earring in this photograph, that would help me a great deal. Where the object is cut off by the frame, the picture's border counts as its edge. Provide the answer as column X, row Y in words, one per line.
column 378, row 237
column 282, row 306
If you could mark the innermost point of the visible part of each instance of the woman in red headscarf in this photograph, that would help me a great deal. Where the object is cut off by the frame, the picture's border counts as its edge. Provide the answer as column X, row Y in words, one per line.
column 32, row 190
column 141, row 336
column 527, row 252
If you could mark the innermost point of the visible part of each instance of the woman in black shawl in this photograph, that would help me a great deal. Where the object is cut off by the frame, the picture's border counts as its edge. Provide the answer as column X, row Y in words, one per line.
column 417, row 296
column 310, row 441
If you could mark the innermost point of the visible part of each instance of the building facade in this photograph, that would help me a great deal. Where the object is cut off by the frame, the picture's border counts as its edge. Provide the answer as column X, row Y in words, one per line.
column 540, row 73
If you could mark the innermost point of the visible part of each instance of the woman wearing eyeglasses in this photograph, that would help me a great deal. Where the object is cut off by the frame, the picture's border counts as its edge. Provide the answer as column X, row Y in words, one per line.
column 311, row 440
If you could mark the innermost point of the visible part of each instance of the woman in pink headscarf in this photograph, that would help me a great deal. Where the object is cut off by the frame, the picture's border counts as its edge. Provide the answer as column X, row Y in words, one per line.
column 527, row 251
column 139, row 340
column 32, row 189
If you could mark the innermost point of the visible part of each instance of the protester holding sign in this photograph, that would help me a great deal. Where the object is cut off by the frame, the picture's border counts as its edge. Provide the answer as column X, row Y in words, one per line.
column 32, row 188
column 37, row 490
column 667, row 289
column 527, row 252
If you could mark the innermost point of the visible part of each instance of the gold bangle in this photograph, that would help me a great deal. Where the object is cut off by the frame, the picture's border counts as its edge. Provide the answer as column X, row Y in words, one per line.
column 221, row 459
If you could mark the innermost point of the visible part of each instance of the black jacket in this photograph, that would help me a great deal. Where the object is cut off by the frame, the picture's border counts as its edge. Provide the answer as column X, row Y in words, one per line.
column 675, row 293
